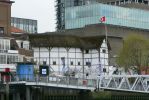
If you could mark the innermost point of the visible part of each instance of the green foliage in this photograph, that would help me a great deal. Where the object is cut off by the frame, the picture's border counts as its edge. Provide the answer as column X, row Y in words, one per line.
column 36, row 71
column 102, row 95
column 135, row 52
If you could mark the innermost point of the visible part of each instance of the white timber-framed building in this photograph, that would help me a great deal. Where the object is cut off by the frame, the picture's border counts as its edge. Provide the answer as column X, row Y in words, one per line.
column 87, row 55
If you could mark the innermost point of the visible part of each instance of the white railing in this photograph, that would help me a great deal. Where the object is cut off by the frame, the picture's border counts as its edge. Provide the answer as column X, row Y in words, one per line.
column 58, row 80
column 134, row 83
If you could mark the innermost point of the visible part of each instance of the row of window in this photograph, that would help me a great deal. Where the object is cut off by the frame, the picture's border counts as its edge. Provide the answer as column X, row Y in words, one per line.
column 4, row 44
column 71, row 3
column 9, row 59
column 63, row 51
column 72, row 63
column 119, row 2
column 105, row 10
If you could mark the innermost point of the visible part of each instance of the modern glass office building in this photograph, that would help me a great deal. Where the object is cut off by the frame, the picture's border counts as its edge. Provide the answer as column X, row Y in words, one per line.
column 27, row 25
column 62, row 4
column 76, row 17
column 121, row 2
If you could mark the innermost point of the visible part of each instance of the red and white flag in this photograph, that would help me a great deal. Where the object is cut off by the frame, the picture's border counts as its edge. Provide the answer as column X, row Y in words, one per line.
column 103, row 19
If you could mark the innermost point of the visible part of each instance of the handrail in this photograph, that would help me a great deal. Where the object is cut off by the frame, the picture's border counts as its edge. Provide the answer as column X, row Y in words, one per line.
column 133, row 83
column 59, row 80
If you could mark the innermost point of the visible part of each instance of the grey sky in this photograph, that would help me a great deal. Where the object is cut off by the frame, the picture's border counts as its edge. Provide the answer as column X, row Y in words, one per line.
column 41, row 10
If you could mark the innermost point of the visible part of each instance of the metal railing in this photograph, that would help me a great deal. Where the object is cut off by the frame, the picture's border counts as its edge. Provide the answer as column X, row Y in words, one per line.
column 133, row 83
column 57, row 80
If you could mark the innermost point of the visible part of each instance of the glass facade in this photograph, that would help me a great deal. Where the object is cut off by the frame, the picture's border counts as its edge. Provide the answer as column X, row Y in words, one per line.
column 4, row 45
column 71, row 3
column 27, row 25
column 62, row 4
column 122, row 2
column 6, row 58
column 76, row 17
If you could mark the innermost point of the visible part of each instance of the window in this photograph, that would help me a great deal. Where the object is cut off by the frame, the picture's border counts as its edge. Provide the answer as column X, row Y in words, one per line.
column 54, row 62
column 112, row 3
column 78, row 63
column 122, row 1
column 21, row 44
column 86, row 51
column 103, row 51
column 1, row 30
column 108, row 2
column 25, row 45
column 140, row 1
column 7, row 44
column 117, row 2
column 88, row 64
column 126, row 1
column 145, row 2
column 12, row 58
column 76, row 3
column 71, row 63
column 44, row 62
column 2, row 59
column 104, row 69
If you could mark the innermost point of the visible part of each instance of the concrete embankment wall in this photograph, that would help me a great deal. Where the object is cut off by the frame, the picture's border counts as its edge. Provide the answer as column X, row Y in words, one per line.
column 44, row 93
column 113, row 95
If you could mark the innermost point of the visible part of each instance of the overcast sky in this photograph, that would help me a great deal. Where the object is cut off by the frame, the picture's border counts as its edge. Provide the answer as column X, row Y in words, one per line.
column 41, row 10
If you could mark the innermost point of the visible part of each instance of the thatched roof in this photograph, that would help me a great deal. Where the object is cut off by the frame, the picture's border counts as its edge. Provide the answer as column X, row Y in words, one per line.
column 65, row 40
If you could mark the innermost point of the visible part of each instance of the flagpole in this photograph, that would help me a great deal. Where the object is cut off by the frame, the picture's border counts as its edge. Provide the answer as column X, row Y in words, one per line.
column 106, row 41
column 106, row 33
column 103, row 19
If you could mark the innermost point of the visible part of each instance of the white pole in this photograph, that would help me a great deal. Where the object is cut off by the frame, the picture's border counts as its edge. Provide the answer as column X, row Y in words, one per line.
column 106, row 42
column 106, row 33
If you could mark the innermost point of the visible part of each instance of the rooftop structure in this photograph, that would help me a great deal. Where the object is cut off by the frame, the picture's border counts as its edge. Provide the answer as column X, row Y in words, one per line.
column 64, row 4
column 122, row 2
column 26, row 25
column 80, row 55
column 76, row 17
